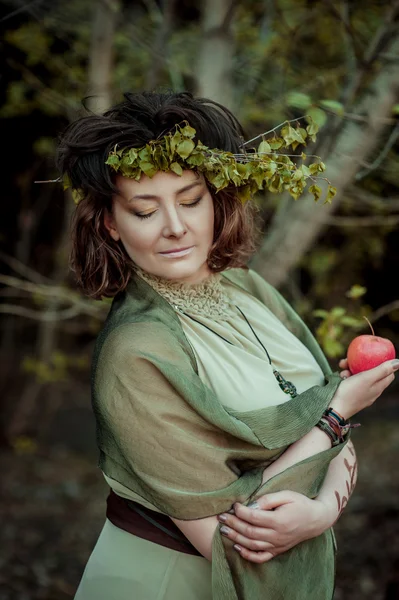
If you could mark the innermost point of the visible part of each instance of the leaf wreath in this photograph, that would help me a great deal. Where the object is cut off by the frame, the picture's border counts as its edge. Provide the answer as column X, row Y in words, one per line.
column 265, row 168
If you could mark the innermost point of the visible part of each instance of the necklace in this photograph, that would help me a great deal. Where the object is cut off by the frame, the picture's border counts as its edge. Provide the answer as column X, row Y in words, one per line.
column 287, row 386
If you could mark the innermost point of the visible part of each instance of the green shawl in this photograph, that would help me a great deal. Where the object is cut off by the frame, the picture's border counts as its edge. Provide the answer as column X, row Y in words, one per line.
column 165, row 435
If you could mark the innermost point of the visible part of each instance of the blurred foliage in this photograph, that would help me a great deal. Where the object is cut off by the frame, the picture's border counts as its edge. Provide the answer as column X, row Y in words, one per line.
column 56, row 369
column 291, row 57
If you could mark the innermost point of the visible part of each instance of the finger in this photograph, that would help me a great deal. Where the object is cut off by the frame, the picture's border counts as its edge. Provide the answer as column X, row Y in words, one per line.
column 271, row 501
column 345, row 374
column 256, row 557
column 343, row 363
column 248, row 543
column 257, row 517
column 383, row 370
column 378, row 387
column 246, row 529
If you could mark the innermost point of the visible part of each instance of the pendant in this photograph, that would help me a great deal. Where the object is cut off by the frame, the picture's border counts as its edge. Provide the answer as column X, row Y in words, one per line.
column 286, row 386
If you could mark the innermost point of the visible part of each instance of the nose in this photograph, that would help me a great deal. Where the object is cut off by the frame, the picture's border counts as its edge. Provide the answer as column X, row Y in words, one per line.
column 174, row 224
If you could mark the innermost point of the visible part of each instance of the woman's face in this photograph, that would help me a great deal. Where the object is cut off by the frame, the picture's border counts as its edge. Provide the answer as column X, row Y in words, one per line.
column 165, row 224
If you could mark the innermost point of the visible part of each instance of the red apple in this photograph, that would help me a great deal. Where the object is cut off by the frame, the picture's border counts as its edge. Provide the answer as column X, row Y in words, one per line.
column 368, row 351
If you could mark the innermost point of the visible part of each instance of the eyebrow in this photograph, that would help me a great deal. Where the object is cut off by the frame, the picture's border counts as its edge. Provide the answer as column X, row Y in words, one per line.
column 154, row 197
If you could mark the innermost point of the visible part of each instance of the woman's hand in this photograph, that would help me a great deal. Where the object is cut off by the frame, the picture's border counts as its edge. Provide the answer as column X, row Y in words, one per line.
column 343, row 364
column 361, row 390
column 281, row 521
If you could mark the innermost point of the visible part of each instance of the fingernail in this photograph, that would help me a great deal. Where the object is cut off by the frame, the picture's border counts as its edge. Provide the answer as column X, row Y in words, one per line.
column 237, row 547
column 395, row 364
column 253, row 505
column 231, row 511
column 225, row 530
column 222, row 518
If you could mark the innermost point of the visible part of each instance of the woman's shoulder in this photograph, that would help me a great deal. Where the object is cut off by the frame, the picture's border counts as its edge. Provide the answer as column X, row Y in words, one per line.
column 253, row 283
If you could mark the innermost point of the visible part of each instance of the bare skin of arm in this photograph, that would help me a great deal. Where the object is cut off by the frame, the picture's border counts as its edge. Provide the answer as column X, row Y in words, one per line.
column 287, row 518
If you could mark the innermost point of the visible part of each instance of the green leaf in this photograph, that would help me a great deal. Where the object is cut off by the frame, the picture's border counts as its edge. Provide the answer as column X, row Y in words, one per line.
column 298, row 100
column 333, row 106
column 320, row 313
column 351, row 321
column 112, row 160
column 77, row 195
column 276, row 143
column 331, row 192
column 318, row 116
column 196, row 159
column 176, row 168
column 356, row 291
column 291, row 135
column 333, row 348
column 188, row 131
column 147, row 168
column 316, row 191
column 337, row 311
column 264, row 148
column 185, row 148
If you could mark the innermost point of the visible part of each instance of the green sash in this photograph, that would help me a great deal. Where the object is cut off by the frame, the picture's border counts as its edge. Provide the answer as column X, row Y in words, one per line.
column 165, row 435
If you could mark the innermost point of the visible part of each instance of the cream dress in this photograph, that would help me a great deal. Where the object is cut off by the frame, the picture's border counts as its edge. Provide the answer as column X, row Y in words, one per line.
column 233, row 363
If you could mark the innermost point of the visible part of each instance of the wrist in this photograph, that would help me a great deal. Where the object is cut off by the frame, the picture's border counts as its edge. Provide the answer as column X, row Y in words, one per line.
column 338, row 405
column 326, row 515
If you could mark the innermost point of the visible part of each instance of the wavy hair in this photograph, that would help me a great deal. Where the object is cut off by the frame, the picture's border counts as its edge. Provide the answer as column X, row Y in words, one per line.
column 101, row 265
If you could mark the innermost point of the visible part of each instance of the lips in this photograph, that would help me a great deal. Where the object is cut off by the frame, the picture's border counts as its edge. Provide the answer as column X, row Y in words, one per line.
column 175, row 250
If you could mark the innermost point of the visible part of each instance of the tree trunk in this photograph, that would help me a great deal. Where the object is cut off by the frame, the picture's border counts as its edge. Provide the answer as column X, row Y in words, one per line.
column 215, row 62
column 291, row 236
column 100, row 59
column 160, row 43
column 99, row 83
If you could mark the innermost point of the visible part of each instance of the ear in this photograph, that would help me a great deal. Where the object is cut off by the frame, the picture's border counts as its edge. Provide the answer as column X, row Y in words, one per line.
column 110, row 225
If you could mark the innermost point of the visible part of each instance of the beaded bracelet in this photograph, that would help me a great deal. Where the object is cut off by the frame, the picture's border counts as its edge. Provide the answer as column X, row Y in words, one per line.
column 335, row 426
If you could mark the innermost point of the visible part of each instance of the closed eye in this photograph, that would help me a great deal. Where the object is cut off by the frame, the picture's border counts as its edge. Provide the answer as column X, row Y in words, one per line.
column 188, row 204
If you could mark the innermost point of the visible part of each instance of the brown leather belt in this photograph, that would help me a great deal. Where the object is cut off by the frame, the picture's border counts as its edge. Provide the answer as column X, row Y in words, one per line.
column 147, row 524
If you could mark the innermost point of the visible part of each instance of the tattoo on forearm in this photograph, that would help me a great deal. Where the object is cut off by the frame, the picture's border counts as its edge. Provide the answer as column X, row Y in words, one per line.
column 350, row 484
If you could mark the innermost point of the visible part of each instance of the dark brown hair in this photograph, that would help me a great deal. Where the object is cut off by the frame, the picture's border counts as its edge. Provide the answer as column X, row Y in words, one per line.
column 101, row 265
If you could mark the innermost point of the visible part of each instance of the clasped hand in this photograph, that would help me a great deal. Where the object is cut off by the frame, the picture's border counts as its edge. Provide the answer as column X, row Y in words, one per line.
column 279, row 521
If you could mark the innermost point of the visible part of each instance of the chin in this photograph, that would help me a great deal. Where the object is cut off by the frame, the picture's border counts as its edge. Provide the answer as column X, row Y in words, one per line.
column 183, row 272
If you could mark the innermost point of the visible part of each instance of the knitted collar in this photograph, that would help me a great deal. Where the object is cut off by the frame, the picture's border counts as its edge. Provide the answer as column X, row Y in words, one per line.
column 208, row 298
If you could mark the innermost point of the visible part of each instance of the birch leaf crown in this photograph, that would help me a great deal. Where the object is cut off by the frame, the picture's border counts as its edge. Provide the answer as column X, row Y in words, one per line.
column 264, row 168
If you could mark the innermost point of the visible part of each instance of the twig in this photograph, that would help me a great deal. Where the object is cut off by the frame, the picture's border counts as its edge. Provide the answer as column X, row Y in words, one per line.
column 21, row 311
column 360, row 195
column 376, row 163
column 80, row 305
column 373, row 221
column 271, row 130
column 384, row 310
column 20, row 9
column 22, row 269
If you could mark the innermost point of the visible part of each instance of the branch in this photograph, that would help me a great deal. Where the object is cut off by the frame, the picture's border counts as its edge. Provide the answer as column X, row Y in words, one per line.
column 79, row 305
column 384, row 310
column 20, row 311
column 376, row 163
column 22, row 269
column 23, row 8
column 373, row 221
column 353, row 42
column 390, row 203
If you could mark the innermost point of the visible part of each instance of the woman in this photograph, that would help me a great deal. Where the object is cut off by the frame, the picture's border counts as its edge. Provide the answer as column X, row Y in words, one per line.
column 210, row 393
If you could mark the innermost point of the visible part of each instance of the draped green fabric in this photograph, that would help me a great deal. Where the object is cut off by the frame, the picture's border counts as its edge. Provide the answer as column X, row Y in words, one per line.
column 165, row 435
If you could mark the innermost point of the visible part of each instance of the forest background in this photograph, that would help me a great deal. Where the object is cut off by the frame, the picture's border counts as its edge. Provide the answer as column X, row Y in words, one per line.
column 267, row 60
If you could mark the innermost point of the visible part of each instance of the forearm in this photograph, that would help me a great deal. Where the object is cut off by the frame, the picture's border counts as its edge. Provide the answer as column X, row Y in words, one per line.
column 312, row 443
column 200, row 533
column 340, row 482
